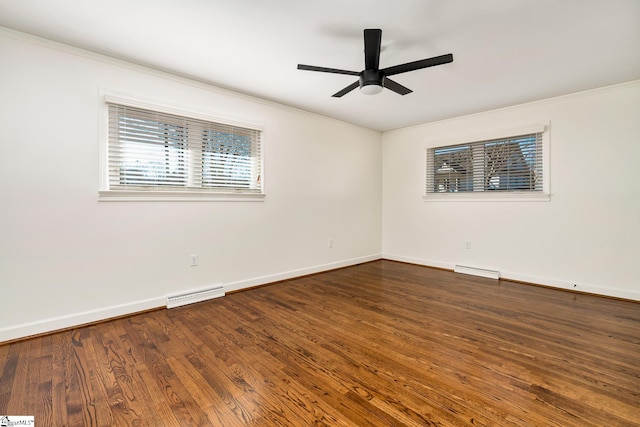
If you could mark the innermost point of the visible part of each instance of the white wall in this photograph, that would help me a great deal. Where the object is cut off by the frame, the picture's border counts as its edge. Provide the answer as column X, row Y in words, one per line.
column 587, row 235
column 66, row 258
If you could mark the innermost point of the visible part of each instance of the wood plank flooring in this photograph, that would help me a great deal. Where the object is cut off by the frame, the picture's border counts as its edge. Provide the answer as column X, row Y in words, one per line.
column 378, row 344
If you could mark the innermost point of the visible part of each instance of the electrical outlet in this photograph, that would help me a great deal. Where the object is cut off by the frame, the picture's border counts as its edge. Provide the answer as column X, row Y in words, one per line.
column 194, row 260
column 330, row 243
column 467, row 245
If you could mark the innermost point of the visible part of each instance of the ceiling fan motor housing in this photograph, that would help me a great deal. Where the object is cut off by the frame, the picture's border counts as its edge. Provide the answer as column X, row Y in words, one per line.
column 371, row 77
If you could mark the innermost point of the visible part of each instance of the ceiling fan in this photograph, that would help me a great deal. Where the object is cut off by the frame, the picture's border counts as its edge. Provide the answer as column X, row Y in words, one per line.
column 372, row 79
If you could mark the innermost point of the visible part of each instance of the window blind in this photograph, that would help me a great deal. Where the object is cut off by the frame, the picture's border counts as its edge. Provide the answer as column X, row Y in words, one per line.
column 510, row 164
column 155, row 151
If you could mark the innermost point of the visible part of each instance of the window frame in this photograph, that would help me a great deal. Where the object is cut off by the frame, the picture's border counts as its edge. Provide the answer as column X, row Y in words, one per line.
column 105, row 193
column 490, row 195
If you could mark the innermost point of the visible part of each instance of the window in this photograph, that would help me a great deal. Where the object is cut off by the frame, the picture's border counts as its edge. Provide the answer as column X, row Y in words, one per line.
column 512, row 164
column 155, row 152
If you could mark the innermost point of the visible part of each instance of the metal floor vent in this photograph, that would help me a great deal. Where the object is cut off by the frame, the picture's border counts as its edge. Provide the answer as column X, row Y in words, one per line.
column 475, row 271
column 195, row 296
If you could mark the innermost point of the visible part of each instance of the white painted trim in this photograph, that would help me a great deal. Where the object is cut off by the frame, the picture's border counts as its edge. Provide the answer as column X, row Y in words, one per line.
column 575, row 286
column 487, row 196
column 535, row 280
column 420, row 261
column 498, row 133
column 176, row 196
column 158, row 105
column 77, row 319
column 263, row 280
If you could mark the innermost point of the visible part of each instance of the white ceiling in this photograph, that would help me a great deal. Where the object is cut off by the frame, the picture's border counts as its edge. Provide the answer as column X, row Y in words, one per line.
column 505, row 51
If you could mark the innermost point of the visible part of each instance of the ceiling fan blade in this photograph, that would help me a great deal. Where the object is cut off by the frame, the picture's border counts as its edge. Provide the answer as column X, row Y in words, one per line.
column 346, row 90
column 396, row 87
column 372, row 40
column 416, row 65
column 326, row 70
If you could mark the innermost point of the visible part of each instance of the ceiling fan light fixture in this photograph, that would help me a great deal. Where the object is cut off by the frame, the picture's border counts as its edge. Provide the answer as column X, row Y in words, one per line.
column 371, row 82
column 372, row 89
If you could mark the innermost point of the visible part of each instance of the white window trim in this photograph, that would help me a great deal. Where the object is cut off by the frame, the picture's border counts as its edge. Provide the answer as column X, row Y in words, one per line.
column 489, row 196
column 107, row 195
column 478, row 196
column 177, row 196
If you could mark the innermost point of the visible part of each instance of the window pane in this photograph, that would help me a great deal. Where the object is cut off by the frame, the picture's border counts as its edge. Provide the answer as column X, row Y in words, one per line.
column 510, row 164
column 453, row 169
column 152, row 151
column 226, row 160
column 505, row 164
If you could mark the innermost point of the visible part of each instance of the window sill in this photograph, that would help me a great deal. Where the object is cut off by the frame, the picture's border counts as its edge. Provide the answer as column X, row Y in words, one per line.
column 176, row 196
column 484, row 196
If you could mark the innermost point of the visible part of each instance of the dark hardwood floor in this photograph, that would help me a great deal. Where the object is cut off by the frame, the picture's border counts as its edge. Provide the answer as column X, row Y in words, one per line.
column 378, row 344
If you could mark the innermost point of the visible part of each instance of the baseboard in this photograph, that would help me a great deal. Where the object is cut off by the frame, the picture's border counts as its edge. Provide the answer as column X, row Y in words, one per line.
column 419, row 261
column 72, row 320
column 53, row 324
column 573, row 286
column 263, row 280
column 527, row 278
